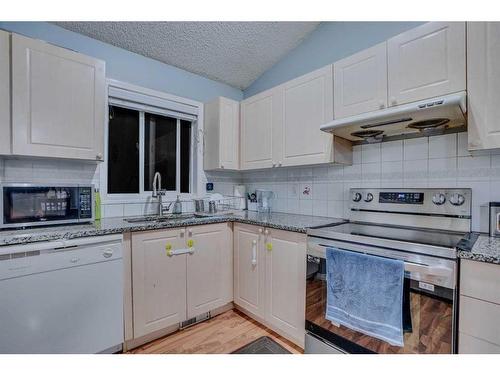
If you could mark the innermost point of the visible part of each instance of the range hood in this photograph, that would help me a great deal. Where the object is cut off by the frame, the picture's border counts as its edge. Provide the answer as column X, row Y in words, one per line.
column 426, row 117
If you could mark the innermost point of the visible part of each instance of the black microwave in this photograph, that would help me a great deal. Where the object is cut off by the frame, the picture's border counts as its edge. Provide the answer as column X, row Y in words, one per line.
column 26, row 205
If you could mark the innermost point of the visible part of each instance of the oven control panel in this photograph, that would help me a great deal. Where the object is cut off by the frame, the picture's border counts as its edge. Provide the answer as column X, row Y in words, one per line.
column 400, row 197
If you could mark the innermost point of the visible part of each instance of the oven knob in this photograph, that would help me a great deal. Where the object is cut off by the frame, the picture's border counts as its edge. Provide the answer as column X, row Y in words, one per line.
column 457, row 199
column 356, row 197
column 438, row 199
column 369, row 197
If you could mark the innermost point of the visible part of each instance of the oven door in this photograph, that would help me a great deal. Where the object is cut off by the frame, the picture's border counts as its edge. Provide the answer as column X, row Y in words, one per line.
column 428, row 303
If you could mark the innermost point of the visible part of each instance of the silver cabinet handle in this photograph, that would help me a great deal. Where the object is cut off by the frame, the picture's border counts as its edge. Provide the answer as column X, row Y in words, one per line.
column 254, row 252
column 108, row 253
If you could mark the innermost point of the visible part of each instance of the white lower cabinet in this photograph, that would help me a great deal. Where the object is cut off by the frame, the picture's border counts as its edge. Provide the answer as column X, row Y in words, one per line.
column 158, row 281
column 168, row 289
column 479, row 317
column 209, row 268
column 270, row 272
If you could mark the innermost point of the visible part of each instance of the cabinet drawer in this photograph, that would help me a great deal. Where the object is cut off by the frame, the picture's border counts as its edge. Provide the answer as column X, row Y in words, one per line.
column 480, row 319
column 480, row 280
column 471, row 345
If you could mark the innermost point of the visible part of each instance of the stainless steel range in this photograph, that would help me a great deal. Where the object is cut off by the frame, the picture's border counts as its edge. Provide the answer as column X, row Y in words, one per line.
column 422, row 227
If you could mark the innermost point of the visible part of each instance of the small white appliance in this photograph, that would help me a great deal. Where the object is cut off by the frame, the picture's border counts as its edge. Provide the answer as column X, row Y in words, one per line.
column 426, row 117
column 62, row 296
column 240, row 191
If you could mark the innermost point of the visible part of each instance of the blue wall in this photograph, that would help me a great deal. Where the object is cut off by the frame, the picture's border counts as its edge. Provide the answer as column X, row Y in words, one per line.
column 128, row 66
column 330, row 42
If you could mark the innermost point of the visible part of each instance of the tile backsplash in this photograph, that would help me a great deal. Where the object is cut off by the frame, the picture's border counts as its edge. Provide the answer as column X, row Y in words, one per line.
column 438, row 161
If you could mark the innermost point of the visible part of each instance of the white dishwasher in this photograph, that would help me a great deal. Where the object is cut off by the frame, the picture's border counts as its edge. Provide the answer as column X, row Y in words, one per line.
column 62, row 296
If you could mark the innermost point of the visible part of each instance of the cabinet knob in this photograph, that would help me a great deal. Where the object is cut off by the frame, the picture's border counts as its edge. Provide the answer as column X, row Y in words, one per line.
column 98, row 156
column 260, row 230
column 254, row 242
column 274, row 164
column 280, row 163
column 393, row 100
column 190, row 232
column 381, row 104
column 183, row 231
column 266, row 232
column 222, row 166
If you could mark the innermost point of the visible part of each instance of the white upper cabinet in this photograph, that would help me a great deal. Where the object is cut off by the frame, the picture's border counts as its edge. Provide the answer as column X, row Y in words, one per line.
column 360, row 82
column 261, row 128
column 222, row 134
column 308, row 104
column 58, row 101
column 426, row 61
column 4, row 93
column 483, row 85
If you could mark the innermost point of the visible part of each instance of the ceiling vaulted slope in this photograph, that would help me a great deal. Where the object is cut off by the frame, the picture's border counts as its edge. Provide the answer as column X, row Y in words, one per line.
column 236, row 53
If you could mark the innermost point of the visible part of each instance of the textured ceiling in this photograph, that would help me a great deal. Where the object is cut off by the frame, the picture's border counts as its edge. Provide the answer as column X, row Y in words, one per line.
column 235, row 53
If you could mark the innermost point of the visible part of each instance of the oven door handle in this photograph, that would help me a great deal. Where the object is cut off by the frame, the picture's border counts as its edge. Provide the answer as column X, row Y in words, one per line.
column 427, row 270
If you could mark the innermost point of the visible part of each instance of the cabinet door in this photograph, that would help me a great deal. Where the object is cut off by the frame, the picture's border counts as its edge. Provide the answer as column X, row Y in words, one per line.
column 483, row 84
column 209, row 268
column 158, row 281
column 360, row 82
column 308, row 104
column 285, row 283
column 221, row 134
column 249, row 269
column 229, row 133
column 426, row 61
column 5, row 93
column 58, row 101
column 261, row 128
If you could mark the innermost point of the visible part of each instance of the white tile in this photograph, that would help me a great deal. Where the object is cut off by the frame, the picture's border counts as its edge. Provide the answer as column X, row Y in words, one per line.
column 415, row 169
column 443, row 146
column 356, row 154
column 370, row 171
column 18, row 170
column 306, row 191
column 306, row 207
column 320, row 191
column 320, row 173
column 416, row 148
column 393, row 183
column 474, row 167
column 336, row 172
column 336, row 191
column 292, row 206
column 495, row 190
column 370, row 153
column 443, row 168
column 320, row 208
column 392, row 151
column 352, row 172
column 293, row 190
column 279, row 205
column 480, row 195
column 392, row 170
column 133, row 209
column 280, row 190
column 112, row 210
column 336, row 209
column 462, row 144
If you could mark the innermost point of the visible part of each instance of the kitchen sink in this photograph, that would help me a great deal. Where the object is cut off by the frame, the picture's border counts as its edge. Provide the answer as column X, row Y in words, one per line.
column 157, row 218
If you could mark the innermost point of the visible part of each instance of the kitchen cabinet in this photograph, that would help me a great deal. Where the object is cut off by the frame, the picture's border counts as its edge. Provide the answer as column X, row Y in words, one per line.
column 479, row 315
column 360, row 82
column 483, row 85
column 158, row 280
column 426, row 62
column 209, row 268
column 269, row 278
column 178, row 274
column 58, row 101
column 308, row 104
column 222, row 134
column 5, row 93
column 261, row 129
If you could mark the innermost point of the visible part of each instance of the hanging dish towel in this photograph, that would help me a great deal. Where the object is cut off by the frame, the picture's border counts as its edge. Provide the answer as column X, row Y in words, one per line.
column 365, row 293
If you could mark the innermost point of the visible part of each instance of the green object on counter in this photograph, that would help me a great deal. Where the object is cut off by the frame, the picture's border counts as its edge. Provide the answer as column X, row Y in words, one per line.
column 97, row 205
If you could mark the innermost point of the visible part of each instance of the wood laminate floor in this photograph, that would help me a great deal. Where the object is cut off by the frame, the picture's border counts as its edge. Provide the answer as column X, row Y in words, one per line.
column 222, row 334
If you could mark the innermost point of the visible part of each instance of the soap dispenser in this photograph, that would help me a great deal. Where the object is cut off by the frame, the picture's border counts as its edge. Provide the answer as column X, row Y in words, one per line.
column 177, row 206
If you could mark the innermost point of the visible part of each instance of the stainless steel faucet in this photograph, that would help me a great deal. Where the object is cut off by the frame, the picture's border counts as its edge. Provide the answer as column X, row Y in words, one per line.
column 159, row 193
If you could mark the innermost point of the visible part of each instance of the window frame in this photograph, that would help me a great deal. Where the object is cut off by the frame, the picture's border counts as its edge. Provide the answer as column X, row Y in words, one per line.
column 155, row 102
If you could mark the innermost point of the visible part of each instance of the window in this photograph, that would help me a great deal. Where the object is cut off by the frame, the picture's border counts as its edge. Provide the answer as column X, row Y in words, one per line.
column 141, row 143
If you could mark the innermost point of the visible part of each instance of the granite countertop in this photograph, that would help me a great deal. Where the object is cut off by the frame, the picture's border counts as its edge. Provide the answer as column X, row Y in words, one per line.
column 485, row 249
column 290, row 222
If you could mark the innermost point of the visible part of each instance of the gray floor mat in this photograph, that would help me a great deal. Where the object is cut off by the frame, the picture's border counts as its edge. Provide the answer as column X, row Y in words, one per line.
column 263, row 345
